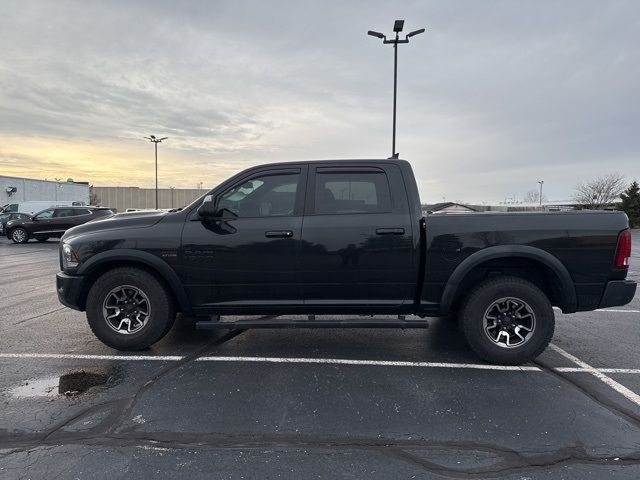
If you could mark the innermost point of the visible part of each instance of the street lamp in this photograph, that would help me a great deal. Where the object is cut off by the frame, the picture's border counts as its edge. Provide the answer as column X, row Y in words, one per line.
column 397, row 28
column 156, row 141
column 540, row 182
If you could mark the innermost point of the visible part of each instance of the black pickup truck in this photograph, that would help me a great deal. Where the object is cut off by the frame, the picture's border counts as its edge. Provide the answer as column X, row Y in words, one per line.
column 342, row 238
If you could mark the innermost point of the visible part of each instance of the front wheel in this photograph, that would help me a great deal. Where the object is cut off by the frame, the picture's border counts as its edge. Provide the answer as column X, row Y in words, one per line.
column 129, row 309
column 507, row 320
column 19, row 235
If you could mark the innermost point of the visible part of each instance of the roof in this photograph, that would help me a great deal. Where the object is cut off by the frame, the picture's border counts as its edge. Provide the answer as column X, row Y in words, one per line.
column 336, row 161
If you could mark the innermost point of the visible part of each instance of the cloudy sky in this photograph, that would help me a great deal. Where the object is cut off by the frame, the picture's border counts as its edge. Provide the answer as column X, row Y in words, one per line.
column 493, row 97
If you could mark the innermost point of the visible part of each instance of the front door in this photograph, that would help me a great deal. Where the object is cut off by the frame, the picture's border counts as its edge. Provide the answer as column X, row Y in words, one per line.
column 45, row 224
column 357, row 248
column 248, row 260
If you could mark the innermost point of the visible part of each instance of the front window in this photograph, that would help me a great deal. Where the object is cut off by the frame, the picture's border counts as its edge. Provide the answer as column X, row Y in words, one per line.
column 263, row 196
column 44, row 214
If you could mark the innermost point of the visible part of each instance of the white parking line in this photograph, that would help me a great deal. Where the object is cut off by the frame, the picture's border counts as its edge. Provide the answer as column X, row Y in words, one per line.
column 603, row 370
column 616, row 311
column 72, row 356
column 618, row 387
column 384, row 363
column 583, row 368
column 341, row 361
column 612, row 310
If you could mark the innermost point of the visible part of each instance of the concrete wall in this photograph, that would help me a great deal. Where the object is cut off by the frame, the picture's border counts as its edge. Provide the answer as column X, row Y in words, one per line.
column 31, row 190
column 134, row 197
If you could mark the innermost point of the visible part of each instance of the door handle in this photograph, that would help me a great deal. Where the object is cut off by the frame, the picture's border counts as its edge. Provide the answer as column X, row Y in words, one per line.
column 389, row 231
column 278, row 233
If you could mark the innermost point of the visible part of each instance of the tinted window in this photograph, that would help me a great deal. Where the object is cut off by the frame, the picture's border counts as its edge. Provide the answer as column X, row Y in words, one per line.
column 44, row 214
column 6, row 216
column 102, row 213
column 352, row 192
column 65, row 212
column 263, row 196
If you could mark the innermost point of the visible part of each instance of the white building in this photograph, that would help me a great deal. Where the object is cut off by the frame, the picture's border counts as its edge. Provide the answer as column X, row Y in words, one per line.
column 16, row 190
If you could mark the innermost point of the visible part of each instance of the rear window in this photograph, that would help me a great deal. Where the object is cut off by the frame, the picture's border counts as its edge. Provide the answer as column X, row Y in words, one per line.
column 103, row 212
column 352, row 192
column 65, row 212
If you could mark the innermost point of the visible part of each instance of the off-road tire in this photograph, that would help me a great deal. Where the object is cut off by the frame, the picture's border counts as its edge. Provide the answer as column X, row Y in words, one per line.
column 161, row 318
column 478, row 301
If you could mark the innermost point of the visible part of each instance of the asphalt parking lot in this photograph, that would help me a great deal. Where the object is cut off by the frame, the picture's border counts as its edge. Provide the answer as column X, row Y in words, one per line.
column 353, row 403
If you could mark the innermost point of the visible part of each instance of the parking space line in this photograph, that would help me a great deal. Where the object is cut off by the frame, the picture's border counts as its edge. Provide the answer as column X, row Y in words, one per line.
column 611, row 310
column 384, row 363
column 330, row 361
column 603, row 370
column 341, row 361
column 618, row 387
column 73, row 356
column 616, row 311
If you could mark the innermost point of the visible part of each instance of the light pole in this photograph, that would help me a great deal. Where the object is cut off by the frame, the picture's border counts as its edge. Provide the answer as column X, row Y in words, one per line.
column 540, row 182
column 156, row 141
column 397, row 28
column 172, row 189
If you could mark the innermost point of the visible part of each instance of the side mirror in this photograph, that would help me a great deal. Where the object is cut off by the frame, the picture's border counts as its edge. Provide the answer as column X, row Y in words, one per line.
column 208, row 208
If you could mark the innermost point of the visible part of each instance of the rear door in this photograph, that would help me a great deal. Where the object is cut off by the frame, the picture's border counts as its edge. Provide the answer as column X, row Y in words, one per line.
column 65, row 218
column 357, row 238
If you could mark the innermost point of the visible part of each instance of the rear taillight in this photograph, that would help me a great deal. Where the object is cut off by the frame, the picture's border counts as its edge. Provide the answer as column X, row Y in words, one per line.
column 623, row 250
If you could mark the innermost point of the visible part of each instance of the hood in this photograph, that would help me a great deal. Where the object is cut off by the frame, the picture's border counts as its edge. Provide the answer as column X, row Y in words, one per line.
column 17, row 221
column 119, row 220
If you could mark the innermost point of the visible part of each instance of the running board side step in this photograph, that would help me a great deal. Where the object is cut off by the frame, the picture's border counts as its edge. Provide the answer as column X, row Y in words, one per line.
column 290, row 323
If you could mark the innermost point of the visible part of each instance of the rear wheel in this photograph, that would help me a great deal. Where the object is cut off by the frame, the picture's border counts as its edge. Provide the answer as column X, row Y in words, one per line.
column 19, row 235
column 507, row 320
column 129, row 309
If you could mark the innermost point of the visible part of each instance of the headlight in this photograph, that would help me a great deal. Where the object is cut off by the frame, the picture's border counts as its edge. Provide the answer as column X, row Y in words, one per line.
column 69, row 258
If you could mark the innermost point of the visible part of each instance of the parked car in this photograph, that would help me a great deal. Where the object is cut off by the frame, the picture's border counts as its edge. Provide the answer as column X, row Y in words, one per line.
column 5, row 217
column 35, row 206
column 52, row 222
column 343, row 237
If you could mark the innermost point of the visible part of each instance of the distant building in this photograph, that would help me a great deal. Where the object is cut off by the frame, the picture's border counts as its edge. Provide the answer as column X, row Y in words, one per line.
column 123, row 198
column 17, row 189
column 447, row 208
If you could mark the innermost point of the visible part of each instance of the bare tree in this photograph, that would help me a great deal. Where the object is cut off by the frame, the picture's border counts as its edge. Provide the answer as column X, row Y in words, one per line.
column 600, row 192
column 533, row 196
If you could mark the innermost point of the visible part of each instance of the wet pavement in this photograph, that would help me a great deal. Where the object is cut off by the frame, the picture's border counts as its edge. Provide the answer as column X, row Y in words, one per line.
column 349, row 403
